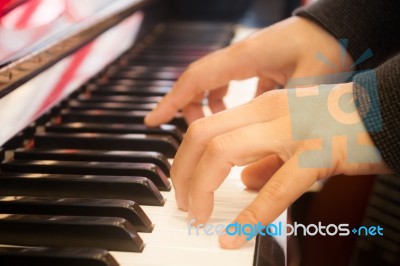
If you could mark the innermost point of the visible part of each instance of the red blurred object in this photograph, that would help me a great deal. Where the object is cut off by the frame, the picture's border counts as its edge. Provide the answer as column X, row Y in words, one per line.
column 8, row 5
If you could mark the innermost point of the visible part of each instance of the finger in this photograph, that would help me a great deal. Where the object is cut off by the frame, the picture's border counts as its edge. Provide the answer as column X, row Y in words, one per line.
column 285, row 186
column 216, row 99
column 194, row 110
column 210, row 72
column 225, row 151
column 265, row 84
column 255, row 175
column 203, row 130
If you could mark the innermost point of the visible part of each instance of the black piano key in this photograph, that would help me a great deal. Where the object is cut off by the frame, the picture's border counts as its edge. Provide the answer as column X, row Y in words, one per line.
column 111, row 90
column 135, row 82
column 172, row 52
column 130, row 60
column 103, row 116
column 160, row 60
column 112, row 106
column 70, row 231
column 148, row 170
column 141, row 75
column 99, row 141
column 128, row 210
column 39, row 256
column 166, row 48
column 94, row 155
column 198, row 26
column 119, row 99
column 15, row 142
column 144, row 69
column 78, row 127
column 146, row 73
column 138, row 189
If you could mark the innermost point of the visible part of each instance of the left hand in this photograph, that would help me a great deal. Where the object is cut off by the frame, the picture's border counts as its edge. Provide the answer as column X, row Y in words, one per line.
column 262, row 135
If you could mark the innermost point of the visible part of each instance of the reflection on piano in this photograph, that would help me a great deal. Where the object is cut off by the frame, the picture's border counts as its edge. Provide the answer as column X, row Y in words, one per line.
column 83, row 181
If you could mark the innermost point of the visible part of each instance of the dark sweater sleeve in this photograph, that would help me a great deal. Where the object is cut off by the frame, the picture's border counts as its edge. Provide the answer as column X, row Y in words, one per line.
column 366, row 24
column 377, row 94
column 375, row 25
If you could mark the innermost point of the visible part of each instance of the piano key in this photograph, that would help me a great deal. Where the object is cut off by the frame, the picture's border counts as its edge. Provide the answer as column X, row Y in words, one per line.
column 138, row 189
column 38, row 256
column 128, row 210
column 132, row 74
column 70, row 231
column 132, row 61
column 77, row 127
column 101, row 141
column 110, row 90
column 172, row 52
column 148, row 170
column 112, row 106
column 102, row 116
column 119, row 99
column 94, row 155
column 171, row 256
column 161, row 59
column 145, row 73
column 181, row 47
column 15, row 142
column 132, row 83
column 198, row 26
column 148, row 69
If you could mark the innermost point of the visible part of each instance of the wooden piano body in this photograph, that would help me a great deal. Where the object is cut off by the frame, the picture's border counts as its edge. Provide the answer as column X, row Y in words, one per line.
column 68, row 93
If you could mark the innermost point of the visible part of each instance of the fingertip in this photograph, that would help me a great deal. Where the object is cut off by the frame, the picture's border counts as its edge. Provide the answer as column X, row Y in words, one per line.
column 152, row 119
column 149, row 120
column 182, row 206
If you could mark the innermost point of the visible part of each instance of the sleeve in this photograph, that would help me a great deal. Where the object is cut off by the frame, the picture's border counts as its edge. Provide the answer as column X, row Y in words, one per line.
column 377, row 94
column 366, row 24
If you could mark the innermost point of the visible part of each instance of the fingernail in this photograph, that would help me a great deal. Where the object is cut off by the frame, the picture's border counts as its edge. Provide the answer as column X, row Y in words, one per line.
column 231, row 241
column 183, row 209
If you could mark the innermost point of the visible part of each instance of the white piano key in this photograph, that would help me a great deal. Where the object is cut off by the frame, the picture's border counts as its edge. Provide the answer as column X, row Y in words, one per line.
column 167, row 256
column 194, row 239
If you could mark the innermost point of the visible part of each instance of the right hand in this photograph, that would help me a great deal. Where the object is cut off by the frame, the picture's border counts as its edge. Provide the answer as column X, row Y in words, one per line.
column 276, row 54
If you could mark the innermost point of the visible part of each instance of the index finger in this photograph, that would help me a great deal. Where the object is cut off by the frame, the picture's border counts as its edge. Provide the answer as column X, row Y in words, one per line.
column 225, row 151
column 211, row 72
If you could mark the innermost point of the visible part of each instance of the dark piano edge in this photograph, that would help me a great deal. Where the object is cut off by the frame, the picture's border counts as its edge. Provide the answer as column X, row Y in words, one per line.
column 268, row 252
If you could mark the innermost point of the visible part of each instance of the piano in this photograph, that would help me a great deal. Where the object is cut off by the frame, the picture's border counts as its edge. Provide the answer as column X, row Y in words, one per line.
column 82, row 180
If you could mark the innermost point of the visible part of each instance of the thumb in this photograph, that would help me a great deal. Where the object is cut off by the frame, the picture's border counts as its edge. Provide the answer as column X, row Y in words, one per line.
column 284, row 187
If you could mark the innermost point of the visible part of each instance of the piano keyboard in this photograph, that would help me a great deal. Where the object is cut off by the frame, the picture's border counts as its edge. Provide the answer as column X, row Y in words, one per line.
column 88, row 182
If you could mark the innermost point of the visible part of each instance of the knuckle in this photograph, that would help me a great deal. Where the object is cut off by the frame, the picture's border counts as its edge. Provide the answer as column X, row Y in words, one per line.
column 197, row 129
column 249, row 216
column 275, row 100
column 274, row 95
column 219, row 145
column 274, row 191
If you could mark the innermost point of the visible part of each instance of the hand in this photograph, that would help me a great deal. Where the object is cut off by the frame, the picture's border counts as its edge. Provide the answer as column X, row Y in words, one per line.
column 285, row 50
column 284, row 159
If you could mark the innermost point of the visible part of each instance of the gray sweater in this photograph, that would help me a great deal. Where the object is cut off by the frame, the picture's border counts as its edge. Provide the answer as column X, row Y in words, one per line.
column 374, row 25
